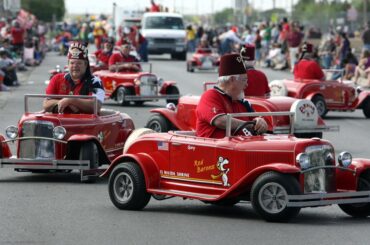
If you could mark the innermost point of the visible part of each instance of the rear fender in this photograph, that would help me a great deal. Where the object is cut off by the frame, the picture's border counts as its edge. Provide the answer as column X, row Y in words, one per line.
column 146, row 163
column 74, row 144
column 5, row 151
column 169, row 115
column 165, row 85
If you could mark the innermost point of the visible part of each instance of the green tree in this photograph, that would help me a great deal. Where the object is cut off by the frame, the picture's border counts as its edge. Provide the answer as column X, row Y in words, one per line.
column 224, row 16
column 45, row 9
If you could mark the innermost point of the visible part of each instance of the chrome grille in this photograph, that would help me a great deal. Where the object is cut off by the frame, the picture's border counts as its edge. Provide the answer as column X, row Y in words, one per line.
column 164, row 40
column 148, row 85
column 37, row 148
column 319, row 180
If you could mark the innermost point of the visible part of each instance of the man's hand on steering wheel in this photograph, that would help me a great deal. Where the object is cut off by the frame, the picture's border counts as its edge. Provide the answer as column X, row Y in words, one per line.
column 246, row 128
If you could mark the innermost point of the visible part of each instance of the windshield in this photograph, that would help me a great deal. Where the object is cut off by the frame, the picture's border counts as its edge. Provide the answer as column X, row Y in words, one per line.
column 164, row 22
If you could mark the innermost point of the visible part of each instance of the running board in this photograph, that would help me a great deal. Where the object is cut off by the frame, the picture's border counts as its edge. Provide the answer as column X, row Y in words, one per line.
column 184, row 194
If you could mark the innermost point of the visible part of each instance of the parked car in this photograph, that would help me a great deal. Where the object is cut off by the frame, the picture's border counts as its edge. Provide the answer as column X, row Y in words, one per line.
column 278, row 174
column 51, row 142
column 327, row 95
column 126, row 86
column 203, row 59
column 306, row 124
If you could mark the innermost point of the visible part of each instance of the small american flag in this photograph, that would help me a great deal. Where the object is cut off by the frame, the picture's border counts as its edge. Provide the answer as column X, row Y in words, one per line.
column 162, row 145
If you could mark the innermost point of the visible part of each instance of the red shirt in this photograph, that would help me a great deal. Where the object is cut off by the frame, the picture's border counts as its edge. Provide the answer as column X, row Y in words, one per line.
column 118, row 57
column 17, row 35
column 62, row 84
column 308, row 69
column 257, row 83
column 215, row 103
column 102, row 56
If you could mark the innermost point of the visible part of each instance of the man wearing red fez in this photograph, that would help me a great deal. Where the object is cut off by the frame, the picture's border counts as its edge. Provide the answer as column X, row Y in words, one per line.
column 226, row 97
column 103, row 55
column 307, row 67
column 121, row 59
column 258, row 84
column 78, row 81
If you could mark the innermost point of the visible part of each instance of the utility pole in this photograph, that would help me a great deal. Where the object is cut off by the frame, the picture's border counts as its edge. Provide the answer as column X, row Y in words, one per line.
column 114, row 20
column 365, row 13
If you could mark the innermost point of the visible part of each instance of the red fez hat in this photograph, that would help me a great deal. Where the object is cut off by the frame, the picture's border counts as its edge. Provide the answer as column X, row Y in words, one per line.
column 307, row 47
column 247, row 52
column 231, row 64
column 77, row 51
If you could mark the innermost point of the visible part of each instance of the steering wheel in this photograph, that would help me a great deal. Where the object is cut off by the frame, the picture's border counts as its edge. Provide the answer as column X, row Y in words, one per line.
column 247, row 128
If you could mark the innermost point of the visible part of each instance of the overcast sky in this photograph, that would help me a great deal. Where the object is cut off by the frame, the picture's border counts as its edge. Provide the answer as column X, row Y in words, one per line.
column 182, row 6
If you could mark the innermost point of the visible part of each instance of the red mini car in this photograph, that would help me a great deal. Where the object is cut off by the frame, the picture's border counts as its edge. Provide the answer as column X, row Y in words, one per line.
column 327, row 95
column 126, row 86
column 306, row 124
column 49, row 142
column 203, row 59
column 278, row 174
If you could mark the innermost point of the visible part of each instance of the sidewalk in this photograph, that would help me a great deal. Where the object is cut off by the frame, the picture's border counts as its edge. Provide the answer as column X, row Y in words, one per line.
column 22, row 78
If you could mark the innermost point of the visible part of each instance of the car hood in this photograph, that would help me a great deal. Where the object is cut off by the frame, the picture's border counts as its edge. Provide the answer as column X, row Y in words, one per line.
column 163, row 33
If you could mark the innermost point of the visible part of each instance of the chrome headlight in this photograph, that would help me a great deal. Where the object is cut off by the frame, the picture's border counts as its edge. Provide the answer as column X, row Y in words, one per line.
column 303, row 160
column 59, row 132
column 345, row 159
column 171, row 106
column 160, row 81
column 57, row 68
column 11, row 132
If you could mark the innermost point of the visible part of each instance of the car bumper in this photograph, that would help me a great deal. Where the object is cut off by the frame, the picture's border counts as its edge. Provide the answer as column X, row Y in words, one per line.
column 324, row 199
column 44, row 164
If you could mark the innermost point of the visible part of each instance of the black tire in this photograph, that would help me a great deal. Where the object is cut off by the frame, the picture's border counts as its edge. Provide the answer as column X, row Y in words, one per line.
column 127, row 188
column 282, row 185
column 320, row 104
column 182, row 56
column 359, row 210
column 189, row 67
column 120, row 96
column 158, row 123
column 89, row 151
column 366, row 108
column 172, row 90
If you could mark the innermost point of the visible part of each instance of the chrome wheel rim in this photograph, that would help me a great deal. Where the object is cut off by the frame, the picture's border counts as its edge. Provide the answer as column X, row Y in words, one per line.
column 273, row 198
column 123, row 187
column 320, row 107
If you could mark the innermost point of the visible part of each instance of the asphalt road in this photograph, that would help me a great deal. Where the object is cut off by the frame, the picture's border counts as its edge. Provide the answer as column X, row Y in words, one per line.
column 57, row 209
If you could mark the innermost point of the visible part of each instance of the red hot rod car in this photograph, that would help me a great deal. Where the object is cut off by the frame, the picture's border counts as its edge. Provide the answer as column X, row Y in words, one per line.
column 307, row 123
column 278, row 174
column 49, row 142
column 327, row 95
column 203, row 59
column 127, row 86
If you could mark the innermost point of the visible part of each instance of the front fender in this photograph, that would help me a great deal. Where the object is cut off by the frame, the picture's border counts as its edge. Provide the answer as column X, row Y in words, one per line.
column 146, row 163
column 74, row 145
column 5, row 151
column 247, row 181
column 363, row 96
column 347, row 180
column 165, row 85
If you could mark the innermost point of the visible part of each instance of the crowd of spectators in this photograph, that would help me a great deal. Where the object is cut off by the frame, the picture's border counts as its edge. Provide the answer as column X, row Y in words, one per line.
column 279, row 46
column 22, row 44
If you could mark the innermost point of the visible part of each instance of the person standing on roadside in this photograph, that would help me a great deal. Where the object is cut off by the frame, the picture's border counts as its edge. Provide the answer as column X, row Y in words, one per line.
column 365, row 36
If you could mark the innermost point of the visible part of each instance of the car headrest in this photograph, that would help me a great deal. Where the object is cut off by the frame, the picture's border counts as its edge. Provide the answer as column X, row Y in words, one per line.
column 278, row 88
column 306, row 114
